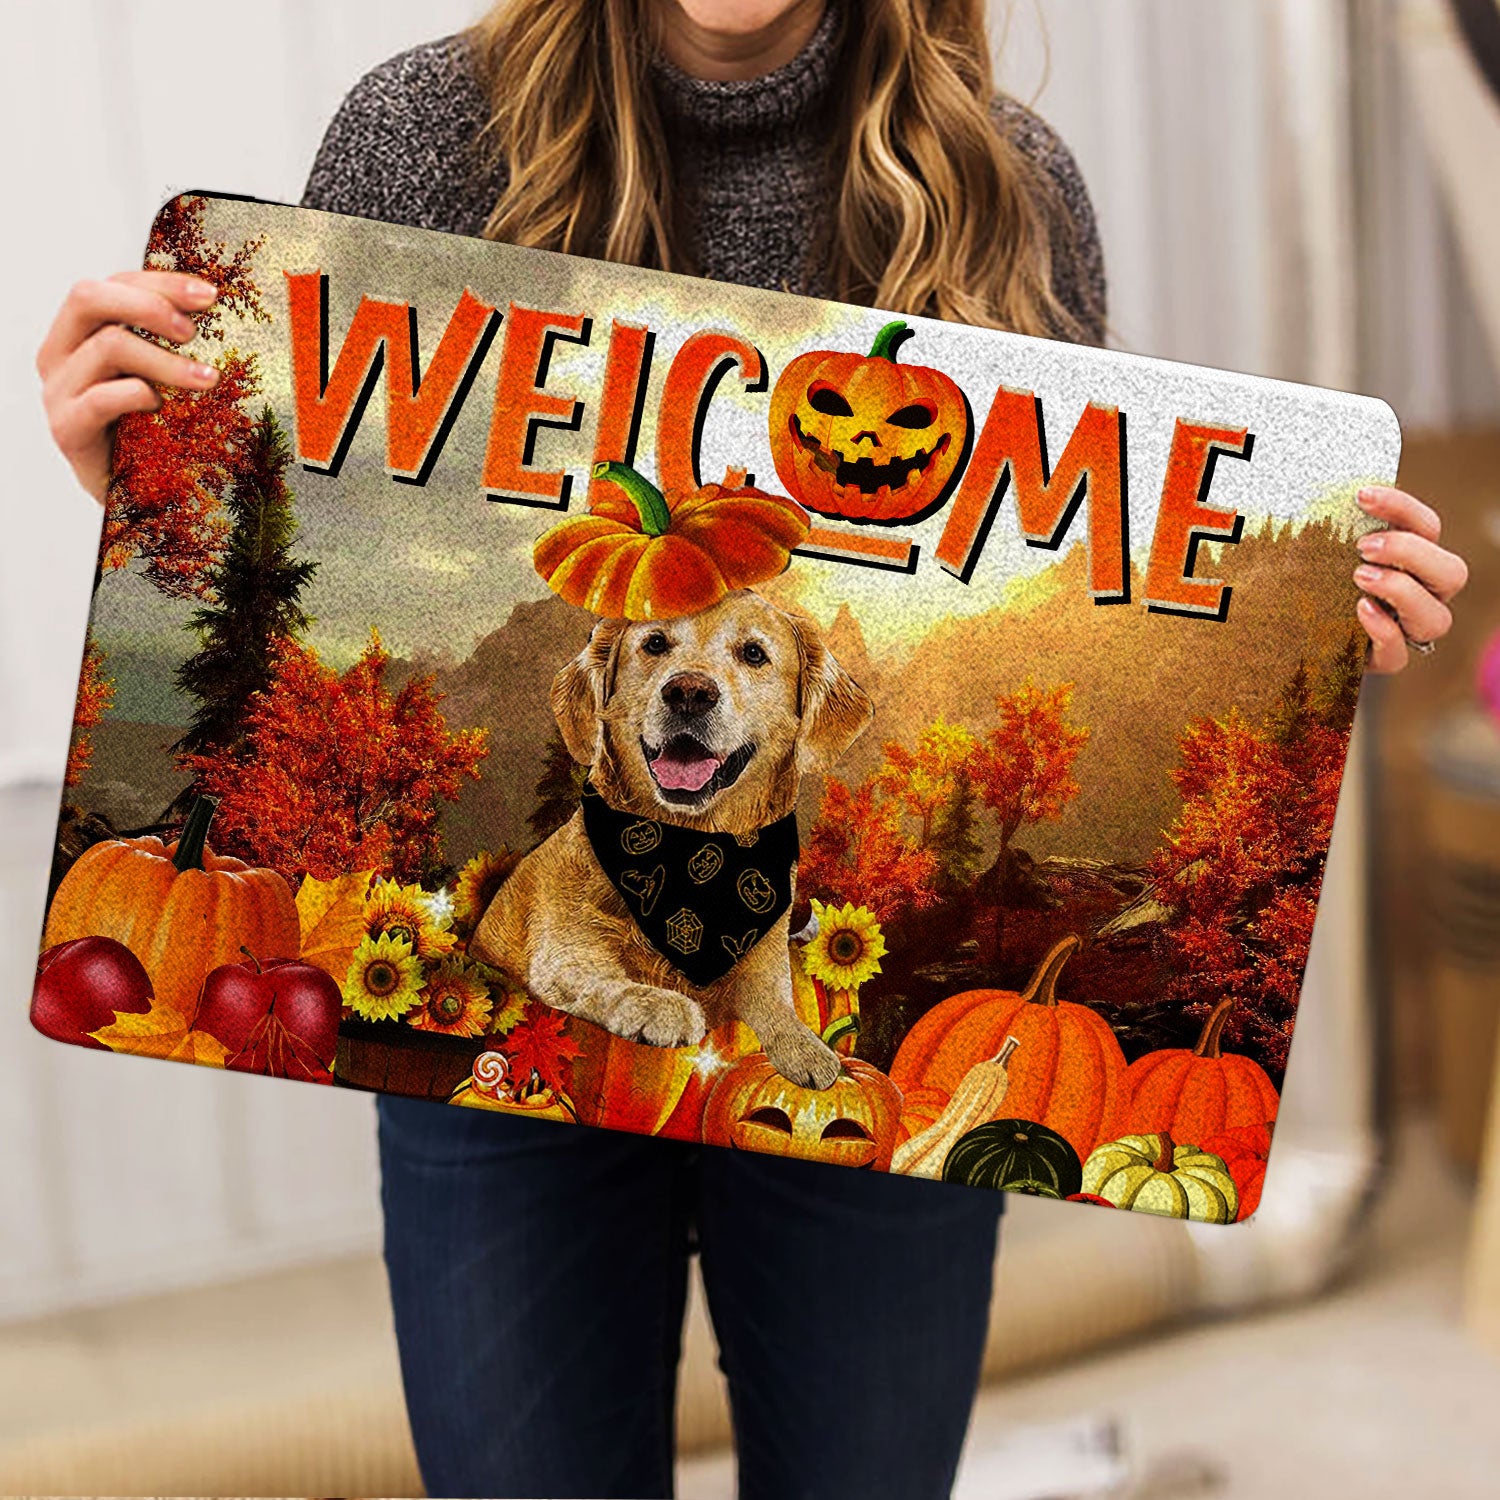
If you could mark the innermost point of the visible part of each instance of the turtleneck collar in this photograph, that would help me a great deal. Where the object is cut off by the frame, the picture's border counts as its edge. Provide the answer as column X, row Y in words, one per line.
column 785, row 98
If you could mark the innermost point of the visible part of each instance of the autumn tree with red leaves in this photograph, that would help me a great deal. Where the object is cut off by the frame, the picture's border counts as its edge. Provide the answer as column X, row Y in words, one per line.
column 95, row 693
column 1241, row 867
column 1022, row 771
column 858, row 852
column 336, row 773
column 172, row 467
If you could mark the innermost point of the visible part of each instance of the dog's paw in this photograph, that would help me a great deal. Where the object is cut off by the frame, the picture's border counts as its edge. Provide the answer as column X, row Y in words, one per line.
column 660, row 1017
column 800, row 1057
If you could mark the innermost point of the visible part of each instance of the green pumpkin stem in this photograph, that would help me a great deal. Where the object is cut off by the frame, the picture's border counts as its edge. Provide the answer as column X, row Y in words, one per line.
column 840, row 1026
column 1043, row 987
column 1213, row 1031
column 194, row 833
column 650, row 503
column 1167, row 1157
column 890, row 339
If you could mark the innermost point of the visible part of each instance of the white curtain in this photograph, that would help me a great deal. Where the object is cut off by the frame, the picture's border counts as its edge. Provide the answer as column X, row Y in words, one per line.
column 118, row 1175
column 1222, row 141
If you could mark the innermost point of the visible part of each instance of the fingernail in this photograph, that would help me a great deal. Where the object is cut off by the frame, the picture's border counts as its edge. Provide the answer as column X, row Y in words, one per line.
column 1366, row 499
column 201, row 291
column 1370, row 546
column 1367, row 575
column 1368, row 607
column 182, row 326
column 207, row 373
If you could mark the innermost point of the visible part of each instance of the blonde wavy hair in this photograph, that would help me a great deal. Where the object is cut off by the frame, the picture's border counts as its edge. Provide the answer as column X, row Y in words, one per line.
column 937, row 212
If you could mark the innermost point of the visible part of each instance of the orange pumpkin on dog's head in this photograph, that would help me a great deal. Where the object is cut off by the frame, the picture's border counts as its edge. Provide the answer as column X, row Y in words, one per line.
column 180, row 908
column 863, row 438
column 650, row 556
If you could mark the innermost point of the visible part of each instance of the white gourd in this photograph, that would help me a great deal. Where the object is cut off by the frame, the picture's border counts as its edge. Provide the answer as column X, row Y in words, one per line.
column 977, row 1100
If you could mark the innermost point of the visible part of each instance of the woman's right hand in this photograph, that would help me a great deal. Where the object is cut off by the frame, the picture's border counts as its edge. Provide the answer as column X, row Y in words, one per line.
column 94, row 369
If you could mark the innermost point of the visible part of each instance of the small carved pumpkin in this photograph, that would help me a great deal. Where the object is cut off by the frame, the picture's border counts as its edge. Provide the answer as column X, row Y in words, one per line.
column 1017, row 1156
column 180, row 908
column 852, row 1123
column 863, row 438
column 1198, row 1092
column 1154, row 1175
column 649, row 556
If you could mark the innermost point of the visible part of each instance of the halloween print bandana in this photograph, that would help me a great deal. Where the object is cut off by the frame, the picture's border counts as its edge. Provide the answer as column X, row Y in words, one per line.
column 702, row 900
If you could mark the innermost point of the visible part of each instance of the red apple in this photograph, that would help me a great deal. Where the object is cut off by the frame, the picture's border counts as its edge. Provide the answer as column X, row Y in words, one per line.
column 83, row 985
column 303, row 998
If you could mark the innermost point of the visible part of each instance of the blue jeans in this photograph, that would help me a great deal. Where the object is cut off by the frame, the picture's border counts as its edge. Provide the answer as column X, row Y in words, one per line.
column 538, row 1273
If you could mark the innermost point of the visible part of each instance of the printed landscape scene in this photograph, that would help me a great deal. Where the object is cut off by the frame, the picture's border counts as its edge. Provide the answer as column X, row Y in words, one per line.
column 1052, row 907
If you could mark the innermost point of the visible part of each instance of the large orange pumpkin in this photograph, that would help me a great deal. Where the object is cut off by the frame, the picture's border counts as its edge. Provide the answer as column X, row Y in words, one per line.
column 1068, row 1073
column 649, row 556
column 1197, row 1093
column 851, row 1123
column 180, row 908
column 866, row 439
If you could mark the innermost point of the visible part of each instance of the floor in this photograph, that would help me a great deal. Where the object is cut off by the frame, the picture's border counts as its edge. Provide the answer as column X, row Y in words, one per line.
column 1374, row 1391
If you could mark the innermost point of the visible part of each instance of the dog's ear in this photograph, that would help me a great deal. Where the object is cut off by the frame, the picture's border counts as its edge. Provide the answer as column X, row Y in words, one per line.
column 832, row 707
column 583, row 687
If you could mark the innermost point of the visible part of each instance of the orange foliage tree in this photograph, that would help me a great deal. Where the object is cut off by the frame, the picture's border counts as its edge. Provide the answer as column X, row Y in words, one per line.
column 1022, row 771
column 95, row 693
column 172, row 466
column 925, row 780
column 336, row 773
column 858, row 852
column 1242, row 864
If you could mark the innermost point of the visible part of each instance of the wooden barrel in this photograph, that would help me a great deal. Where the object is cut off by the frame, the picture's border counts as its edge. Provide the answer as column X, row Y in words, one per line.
column 387, row 1057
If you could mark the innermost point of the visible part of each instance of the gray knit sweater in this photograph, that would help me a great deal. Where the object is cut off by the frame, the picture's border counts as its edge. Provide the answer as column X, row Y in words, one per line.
column 403, row 147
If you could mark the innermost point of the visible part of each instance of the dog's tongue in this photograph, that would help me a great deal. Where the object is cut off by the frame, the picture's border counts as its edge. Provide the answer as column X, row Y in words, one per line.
column 684, row 770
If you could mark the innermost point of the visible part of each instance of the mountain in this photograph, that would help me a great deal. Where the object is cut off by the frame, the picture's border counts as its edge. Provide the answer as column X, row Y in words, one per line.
column 1139, row 678
column 503, row 688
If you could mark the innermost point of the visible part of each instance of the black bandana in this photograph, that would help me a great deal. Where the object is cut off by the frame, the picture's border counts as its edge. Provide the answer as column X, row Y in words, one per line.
column 702, row 900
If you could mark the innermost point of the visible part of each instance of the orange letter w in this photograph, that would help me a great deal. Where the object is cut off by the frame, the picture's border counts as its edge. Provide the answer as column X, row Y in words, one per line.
column 420, row 405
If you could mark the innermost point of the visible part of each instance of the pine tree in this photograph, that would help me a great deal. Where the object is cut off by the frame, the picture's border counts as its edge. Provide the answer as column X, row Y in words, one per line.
column 255, row 590
column 559, row 788
column 1337, row 692
column 953, row 840
column 1292, row 714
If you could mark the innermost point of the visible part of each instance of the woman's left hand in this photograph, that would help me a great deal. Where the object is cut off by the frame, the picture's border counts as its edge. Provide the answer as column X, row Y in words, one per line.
column 1404, row 566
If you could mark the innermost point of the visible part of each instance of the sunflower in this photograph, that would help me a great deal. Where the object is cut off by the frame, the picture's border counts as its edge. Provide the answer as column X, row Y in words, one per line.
column 477, row 883
column 454, row 1001
column 848, row 947
column 384, row 979
column 404, row 912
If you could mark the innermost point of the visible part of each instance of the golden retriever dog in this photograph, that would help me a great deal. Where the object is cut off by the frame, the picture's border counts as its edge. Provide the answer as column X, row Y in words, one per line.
column 709, row 722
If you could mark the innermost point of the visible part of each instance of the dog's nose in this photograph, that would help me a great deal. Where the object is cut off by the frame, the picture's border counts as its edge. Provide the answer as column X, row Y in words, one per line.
column 690, row 693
